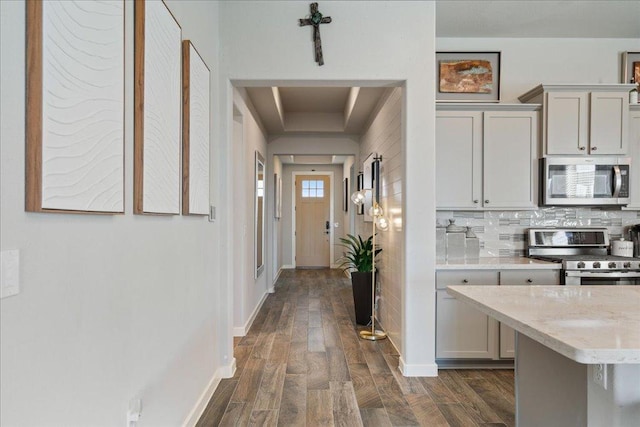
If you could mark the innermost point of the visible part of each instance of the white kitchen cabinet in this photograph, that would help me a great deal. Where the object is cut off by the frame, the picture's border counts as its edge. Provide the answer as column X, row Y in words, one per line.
column 634, row 153
column 583, row 119
column 486, row 159
column 462, row 332
column 516, row 278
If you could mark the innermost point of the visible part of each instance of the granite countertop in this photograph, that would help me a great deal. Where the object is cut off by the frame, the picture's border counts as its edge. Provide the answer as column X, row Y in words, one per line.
column 506, row 263
column 588, row 324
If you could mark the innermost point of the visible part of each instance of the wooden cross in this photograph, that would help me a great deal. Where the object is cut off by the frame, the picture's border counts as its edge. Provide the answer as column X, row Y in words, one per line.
column 316, row 19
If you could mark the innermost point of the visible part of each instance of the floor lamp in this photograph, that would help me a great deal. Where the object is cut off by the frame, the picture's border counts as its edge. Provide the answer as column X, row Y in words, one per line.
column 381, row 223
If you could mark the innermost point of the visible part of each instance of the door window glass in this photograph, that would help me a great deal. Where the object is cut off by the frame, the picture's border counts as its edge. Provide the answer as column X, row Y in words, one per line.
column 313, row 188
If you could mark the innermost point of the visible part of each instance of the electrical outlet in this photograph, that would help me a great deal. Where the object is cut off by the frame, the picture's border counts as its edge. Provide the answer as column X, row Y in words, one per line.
column 600, row 375
column 134, row 412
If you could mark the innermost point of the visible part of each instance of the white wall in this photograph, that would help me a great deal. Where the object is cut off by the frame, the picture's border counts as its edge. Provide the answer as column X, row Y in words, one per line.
column 384, row 137
column 111, row 307
column 366, row 44
column 248, row 291
column 528, row 62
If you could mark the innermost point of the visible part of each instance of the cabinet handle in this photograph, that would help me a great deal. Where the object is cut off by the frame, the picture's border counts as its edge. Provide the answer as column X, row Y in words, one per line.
column 465, row 281
column 594, row 148
column 582, row 148
column 475, row 201
column 529, row 281
column 486, row 201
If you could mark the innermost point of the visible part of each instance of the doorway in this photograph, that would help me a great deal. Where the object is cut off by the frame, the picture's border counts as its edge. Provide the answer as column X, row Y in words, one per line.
column 313, row 213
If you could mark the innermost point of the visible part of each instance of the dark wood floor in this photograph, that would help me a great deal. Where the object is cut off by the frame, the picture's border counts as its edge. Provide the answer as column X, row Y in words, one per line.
column 302, row 363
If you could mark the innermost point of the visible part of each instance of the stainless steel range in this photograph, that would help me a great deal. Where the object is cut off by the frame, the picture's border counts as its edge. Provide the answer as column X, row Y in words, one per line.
column 583, row 254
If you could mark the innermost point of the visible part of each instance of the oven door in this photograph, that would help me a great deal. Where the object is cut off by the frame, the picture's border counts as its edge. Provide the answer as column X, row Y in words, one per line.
column 580, row 278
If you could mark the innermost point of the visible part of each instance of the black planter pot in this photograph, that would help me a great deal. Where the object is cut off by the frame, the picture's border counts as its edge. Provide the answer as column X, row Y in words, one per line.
column 361, row 285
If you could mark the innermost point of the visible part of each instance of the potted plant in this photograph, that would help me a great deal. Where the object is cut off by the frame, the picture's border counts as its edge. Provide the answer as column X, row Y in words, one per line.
column 358, row 260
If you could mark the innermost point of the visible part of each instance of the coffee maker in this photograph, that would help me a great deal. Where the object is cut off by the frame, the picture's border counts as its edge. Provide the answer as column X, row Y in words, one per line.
column 634, row 232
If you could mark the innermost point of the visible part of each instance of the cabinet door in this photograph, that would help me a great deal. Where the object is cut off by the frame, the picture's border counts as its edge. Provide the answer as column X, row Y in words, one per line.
column 458, row 159
column 510, row 140
column 634, row 153
column 567, row 115
column 521, row 277
column 609, row 122
column 462, row 332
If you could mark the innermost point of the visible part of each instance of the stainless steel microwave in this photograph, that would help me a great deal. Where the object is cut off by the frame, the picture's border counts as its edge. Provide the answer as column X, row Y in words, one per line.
column 586, row 181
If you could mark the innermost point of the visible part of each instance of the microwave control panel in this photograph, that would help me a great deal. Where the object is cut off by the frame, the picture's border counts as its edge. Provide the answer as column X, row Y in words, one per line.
column 624, row 188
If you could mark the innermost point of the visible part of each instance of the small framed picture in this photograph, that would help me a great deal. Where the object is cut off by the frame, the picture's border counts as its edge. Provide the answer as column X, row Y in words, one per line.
column 345, row 198
column 468, row 76
column 630, row 67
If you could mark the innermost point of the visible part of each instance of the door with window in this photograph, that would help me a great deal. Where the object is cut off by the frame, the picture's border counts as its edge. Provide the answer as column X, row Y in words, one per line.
column 312, row 221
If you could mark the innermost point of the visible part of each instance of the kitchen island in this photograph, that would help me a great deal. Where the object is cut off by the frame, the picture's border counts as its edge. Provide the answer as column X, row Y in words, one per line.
column 577, row 351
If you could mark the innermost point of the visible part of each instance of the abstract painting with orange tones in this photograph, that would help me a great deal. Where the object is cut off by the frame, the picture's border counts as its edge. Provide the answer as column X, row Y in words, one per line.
column 466, row 76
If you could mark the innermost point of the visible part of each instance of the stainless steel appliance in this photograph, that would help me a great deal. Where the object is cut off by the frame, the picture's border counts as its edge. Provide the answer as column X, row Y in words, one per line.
column 583, row 254
column 587, row 180
column 635, row 238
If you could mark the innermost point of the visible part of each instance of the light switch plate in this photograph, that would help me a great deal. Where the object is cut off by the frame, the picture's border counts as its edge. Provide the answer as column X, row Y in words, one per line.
column 9, row 273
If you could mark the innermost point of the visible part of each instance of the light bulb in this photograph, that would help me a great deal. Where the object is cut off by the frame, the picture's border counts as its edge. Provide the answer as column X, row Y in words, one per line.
column 382, row 223
column 358, row 197
column 376, row 210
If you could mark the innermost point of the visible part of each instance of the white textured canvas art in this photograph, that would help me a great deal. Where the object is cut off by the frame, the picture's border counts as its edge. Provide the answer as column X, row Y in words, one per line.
column 198, row 134
column 162, row 113
column 83, row 106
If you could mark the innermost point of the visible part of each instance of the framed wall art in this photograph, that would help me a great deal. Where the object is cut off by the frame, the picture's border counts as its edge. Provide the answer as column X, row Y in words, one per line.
column 630, row 67
column 360, row 186
column 345, row 195
column 369, row 178
column 75, row 107
column 157, row 115
column 196, row 109
column 277, row 196
column 468, row 76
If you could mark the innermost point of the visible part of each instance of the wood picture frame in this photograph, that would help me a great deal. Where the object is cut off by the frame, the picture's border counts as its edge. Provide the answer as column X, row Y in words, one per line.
column 157, row 110
column 466, row 78
column 75, row 107
column 629, row 60
column 196, row 112
column 277, row 196
column 368, row 182
column 345, row 195
column 360, row 186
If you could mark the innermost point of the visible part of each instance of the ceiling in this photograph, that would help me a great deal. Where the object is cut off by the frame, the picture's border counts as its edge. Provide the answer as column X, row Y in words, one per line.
column 348, row 109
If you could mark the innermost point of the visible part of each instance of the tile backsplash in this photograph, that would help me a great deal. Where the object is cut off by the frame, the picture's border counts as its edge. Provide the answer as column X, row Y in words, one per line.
column 504, row 233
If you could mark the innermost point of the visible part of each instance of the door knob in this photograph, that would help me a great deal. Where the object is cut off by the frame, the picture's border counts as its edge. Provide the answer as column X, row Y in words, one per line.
column 475, row 201
column 594, row 148
column 529, row 281
column 582, row 148
column 486, row 201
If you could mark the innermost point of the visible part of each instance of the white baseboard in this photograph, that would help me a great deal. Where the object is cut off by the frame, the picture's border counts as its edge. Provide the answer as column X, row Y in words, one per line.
column 229, row 370
column 240, row 331
column 275, row 279
column 287, row 267
column 205, row 397
column 427, row 370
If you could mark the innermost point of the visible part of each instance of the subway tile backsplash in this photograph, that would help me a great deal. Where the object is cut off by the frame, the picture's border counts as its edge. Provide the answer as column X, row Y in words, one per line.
column 503, row 233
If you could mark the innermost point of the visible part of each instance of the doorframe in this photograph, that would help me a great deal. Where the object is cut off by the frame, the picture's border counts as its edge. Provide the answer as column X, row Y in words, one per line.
column 293, row 214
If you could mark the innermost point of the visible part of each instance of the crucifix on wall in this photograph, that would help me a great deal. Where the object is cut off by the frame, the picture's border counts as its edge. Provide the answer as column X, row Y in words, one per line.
column 316, row 19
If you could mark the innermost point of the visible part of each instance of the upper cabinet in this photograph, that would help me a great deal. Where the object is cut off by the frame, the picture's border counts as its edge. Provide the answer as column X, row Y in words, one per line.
column 583, row 119
column 634, row 153
column 486, row 156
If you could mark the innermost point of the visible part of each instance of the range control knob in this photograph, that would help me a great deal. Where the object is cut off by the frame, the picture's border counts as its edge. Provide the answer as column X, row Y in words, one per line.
column 612, row 264
column 627, row 264
column 596, row 264
column 580, row 264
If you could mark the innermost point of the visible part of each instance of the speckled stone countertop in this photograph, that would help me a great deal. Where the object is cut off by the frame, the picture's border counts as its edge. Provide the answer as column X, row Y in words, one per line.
column 588, row 324
column 515, row 263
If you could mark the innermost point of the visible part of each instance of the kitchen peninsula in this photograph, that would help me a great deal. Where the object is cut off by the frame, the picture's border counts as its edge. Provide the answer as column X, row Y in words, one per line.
column 577, row 351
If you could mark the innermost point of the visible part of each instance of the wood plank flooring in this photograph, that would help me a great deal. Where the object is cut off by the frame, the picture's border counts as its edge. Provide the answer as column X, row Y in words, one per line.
column 302, row 363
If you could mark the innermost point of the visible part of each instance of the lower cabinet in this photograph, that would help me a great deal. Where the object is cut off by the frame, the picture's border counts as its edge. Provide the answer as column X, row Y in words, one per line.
column 463, row 332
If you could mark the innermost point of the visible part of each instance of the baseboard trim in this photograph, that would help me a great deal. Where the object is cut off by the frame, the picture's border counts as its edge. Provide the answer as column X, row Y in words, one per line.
column 205, row 397
column 229, row 370
column 275, row 279
column 288, row 267
column 427, row 370
column 240, row 331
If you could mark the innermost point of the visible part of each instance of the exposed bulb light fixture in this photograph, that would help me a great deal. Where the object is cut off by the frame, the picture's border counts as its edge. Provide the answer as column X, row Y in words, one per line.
column 358, row 197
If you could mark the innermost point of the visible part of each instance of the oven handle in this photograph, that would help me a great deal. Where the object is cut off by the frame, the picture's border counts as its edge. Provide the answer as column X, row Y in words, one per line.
column 617, row 180
column 611, row 274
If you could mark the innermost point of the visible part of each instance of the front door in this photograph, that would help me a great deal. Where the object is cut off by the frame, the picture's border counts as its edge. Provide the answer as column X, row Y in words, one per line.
column 312, row 221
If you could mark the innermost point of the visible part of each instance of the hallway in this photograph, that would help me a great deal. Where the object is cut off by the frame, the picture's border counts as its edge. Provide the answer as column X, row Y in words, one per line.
column 302, row 363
